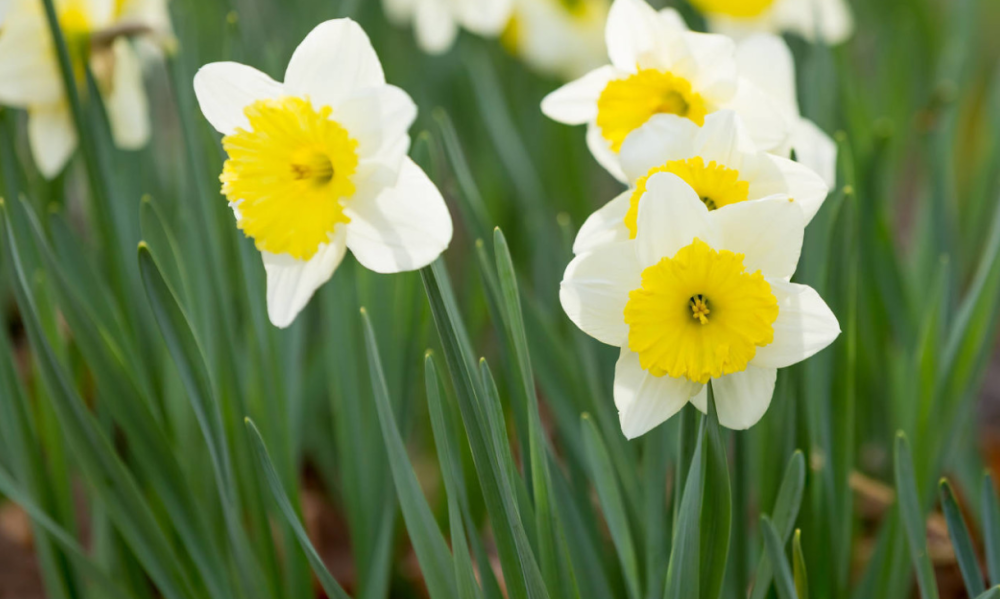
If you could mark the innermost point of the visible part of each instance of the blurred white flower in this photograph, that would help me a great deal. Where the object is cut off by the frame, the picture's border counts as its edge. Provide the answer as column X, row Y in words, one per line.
column 659, row 67
column 436, row 22
column 318, row 165
column 829, row 20
column 97, row 34
column 561, row 38
column 699, row 297
column 4, row 7
column 718, row 161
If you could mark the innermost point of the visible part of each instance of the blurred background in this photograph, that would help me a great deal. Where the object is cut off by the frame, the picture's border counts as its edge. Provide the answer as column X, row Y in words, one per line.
column 905, row 251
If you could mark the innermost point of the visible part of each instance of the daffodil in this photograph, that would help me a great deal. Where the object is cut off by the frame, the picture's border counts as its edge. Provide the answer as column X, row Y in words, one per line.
column 96, row 36
column 436, row 22
column 318, row 165
column 698, row 298
column 561, row 38
column 719, row 161
column 659, row 67
column 766, row 61
column 828, row 20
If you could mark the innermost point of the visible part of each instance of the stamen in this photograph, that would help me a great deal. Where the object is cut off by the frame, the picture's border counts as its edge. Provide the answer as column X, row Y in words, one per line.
column 699, row 308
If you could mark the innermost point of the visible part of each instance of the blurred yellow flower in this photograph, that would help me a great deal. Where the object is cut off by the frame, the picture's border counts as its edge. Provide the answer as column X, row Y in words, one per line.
column 699, row 297
column 436, row 22
column 97, row 33
column 318, row 165
column 828, row 20
column 560, row 38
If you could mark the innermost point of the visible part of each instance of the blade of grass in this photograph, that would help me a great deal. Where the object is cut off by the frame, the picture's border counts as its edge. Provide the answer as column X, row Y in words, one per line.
column 912, row 517
column 799, row 567
column 684, row 573
column 784, row 581
column 991, row 528
column 965, row 553
column 784, row 514
column 432, row 552
column 326, row 580
column 716, row 509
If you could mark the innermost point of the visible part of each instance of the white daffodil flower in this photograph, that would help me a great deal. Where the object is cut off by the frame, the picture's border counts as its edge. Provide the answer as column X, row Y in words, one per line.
column 719, row 161
column 659, row 67
column 699, row 297
column 96, row 36
column 828, row 20
column 560, row 38
column 318, row 165
column 436, row 22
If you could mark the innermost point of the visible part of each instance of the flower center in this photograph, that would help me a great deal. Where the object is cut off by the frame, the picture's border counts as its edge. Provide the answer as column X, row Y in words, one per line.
column 676, row 334
column 715, row 184
column 626, row 104
column 733, row 8
column 289, row 175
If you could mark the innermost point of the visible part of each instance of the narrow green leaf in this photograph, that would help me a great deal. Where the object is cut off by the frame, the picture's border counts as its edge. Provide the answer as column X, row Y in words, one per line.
column 991, row 528
column 799, row 567
column 717, row 507
column 684, row 573
column 965, row 553
column 428, row 542
column 517, row 560
column 326, row 580
column 785, row 512
column 612, row 505
column 993, row 593
column 783, row 579
column 912, row 517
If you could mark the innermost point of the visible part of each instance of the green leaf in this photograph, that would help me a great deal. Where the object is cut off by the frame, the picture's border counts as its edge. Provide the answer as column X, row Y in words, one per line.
column 717, row 507
column 783, row 578
column 684, row 573
column 912, row 517
column 785, row 512
column 799, row 567
column 965, row 553
column 516, row 557
column 612, row 505
column 993, row 593
column 326, row 580
column 991, row 528
column 432, row 552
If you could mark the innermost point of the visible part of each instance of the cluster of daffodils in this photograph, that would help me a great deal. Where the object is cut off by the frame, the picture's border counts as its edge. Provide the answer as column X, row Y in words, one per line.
column 560, row 38
column 689, row 270
column 318, row 165
column 111, row 38
column 436, row 22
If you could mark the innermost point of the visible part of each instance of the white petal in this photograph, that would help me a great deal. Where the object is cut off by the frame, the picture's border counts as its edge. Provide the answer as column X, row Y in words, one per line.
column 776, row 175
column 709, row 64
column 399, row 12
column 766, row 61
column 128, row 109
column 291, row 283
column 4, row 7
column 435, row 26
column 671, row 216
column 673, row 20
column 603, row 153
column 805, row 325
column 576, row 102
column 636, row 36
column 485, row 17
column 595, row 289
column 29, row 71
column 406, row 227
column 645, row 401
column 763, row 117
column 662, row 138
column 377, row 117
column 224, row 89
column 333, row 61
column 767, row 232
column 52, row 137
column 831, row 19
column 606, row 225
column 742, row 398
column 814, row 148
column 724, row 139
